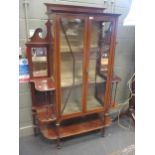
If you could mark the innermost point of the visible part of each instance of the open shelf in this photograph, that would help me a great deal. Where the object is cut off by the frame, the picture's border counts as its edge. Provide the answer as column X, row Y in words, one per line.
column 44, row 84
column 40, row 106
column 45, row 114
column 80, row 127
column 39, row 59
column 40, row 73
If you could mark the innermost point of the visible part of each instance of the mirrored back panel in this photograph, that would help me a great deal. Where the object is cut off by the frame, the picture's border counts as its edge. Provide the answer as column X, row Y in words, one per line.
column 39, row 61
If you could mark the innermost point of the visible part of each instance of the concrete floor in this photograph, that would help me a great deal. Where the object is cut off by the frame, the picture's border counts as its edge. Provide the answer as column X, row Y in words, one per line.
column 116, row 138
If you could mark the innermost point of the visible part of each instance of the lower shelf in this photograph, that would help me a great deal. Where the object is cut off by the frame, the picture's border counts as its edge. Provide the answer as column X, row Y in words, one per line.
column 45, row 114
column 75, row 129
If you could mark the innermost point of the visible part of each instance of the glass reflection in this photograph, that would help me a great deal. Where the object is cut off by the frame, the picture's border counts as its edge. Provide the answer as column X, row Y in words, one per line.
column 39, row 61
column 71, row 45
column 98, row 63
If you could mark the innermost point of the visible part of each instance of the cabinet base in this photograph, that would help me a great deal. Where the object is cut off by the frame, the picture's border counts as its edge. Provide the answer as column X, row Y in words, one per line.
column 83, row 125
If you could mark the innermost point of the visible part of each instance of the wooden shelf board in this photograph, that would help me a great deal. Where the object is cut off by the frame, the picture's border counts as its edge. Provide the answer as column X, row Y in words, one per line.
column 67, row 82
column 75, row 129
column 40, row 73
column 46, row 114
column 44, row 84
column 73, row 107
column 39, row 59
column 40, row 106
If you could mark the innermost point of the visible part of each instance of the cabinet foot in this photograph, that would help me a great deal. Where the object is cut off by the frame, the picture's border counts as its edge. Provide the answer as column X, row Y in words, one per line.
column 36, row 131
column 103, row 132
column 58, row 138
column 58, row 144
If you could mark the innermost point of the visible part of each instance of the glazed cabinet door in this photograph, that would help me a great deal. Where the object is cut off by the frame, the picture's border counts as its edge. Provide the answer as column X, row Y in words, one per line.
column 98, row 62
column 72, row 30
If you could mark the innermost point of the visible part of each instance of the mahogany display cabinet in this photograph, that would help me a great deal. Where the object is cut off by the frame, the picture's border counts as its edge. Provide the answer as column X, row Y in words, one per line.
column 71, row 71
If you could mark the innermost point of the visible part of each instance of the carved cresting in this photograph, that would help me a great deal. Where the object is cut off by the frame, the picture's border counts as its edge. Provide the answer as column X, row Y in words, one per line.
column 39, row 40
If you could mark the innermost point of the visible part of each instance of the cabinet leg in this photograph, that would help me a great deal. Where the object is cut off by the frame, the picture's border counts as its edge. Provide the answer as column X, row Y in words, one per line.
column 35, row 129
column 58, row 134
column 58, row 144
column 115, row 119
column 102, row 132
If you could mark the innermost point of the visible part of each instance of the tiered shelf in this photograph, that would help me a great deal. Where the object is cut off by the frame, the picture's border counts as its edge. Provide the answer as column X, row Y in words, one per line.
column 46, row 114
column 45, row 111
column 43, row 84
column 81, row 126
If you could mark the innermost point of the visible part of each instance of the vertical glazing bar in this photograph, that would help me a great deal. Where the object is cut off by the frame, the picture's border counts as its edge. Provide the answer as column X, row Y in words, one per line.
column 86, row 62
column 57, row 65
column 110, row 65
column 115, row 93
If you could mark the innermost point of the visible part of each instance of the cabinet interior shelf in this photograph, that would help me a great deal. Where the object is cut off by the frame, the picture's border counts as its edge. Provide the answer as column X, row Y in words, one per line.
column 67, row 80
column 65, row 48
column 76, row 106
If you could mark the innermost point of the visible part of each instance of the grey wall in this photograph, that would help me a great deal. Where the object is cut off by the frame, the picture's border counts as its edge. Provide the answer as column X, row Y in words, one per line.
column 124, row 57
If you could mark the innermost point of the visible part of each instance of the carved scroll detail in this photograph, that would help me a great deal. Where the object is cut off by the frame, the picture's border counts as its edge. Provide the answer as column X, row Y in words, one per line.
column 37, row 39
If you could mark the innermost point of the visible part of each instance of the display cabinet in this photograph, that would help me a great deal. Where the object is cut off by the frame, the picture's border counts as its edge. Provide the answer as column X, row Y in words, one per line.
column 71, row 71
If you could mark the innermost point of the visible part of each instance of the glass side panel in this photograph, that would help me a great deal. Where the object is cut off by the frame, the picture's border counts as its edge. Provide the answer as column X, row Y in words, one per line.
column 71, row 47
column 39, row 61
column 98, row 63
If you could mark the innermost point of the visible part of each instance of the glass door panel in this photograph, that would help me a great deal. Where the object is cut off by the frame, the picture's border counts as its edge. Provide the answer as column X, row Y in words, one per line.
column 98, row 63
column 71, row 47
